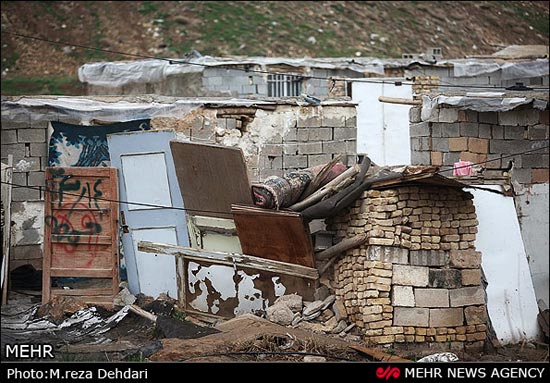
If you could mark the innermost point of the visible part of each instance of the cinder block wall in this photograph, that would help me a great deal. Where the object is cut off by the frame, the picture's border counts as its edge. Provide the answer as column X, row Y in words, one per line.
column 417, row 279
column 452, row 135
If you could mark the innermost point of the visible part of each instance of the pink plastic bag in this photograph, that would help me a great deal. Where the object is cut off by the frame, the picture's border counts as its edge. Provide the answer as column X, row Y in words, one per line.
column 463, row 168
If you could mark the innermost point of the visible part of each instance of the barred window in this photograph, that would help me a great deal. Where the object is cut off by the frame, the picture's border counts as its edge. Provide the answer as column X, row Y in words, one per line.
column 283, row 85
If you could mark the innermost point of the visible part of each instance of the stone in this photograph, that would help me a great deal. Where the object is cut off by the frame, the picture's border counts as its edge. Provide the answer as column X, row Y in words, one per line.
column 297, row 319
column 445, row 278
column 321, row 293
column 311, row 316
column 326, row 315
column 330, row 324
column 339, row 309
column 328, row 301
column 475, row 315
column 347, row 329
column 124, row 297
column 431, row 297
column 471, row 277
column 314, row 359
column 313, row 307
column 280, row 314
column 467, row 296
column 410, row 275
column 339, row 327
column 292, row 301
column 411, row 316
column 446, row 317
column 403, row 296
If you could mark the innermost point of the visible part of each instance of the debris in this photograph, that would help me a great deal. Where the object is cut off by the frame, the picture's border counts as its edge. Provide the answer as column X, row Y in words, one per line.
column 280, row 314
column 439, row 357
column 339, row 309
column 312, row 358
column 60, row 307
column 346, row 330
column 293, row 301
column 379, row 355
column 328, row 301
column 321, row 293
column 326, row 315
column 124, row 297
column 142, row 313
column 168, row 327
column 342, row 324
column 312, row 308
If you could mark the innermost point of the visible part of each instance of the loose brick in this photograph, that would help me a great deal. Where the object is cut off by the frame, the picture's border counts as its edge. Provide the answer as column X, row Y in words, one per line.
column 444, row 278
column 446, row 317
column 410, row 275
column 467, row 296
column 403, row 296
column 471, row 277
column 475, row 315
column 431, row 297
column 405, row 316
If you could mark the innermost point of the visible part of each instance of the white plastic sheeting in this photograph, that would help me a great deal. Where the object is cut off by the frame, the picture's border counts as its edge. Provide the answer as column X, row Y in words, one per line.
column 510, row 70
column 483, row 102
column 511, row 301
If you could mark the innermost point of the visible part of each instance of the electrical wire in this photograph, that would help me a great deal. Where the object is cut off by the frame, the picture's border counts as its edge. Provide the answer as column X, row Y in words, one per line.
column 45, row 189
column 178, row 61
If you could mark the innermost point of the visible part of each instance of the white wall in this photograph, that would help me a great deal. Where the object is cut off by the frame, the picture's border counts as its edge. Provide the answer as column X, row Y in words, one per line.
column 532, row 207
column 511, row 301
column 383, row 128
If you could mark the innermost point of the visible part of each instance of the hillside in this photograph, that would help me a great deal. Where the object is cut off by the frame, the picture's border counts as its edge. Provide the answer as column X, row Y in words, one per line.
column 249, row 28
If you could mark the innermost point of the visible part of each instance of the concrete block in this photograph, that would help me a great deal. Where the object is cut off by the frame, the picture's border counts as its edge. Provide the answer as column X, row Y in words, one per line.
column 351, row 147
column 318, row 159
column 22, row 252
column 467, row 296
column 448, row 115
column 39, row 149
column 446, row 317
column 410, row 275
column 451, row 158
column 497, row 132
column 450, row 130
column 415, row 114
column 420, row 143
column 31, row 135
column 540, row 176
column 345, row 134
column 514, row 132
column 351, row 122
column 488, row 118
column 440, row 144
column 9, row 137
column 295, row 162
column 475, row 315
column 310, row 148
column 534, row 161
column 538, row 132
column 428, row 258
column 508, row 146
column 324, row 134
column 420, row 158
column 431, row 297
column 338, row 147
column 519, row 117
column 465, row 259
column 272, row 150
column 388, row 254
column 16, row 150
column 19, row 178
column 24, row 194
column 437, row 130
column 413, row 316
column 458, row 144
column 478, row 145
column 290, row 135
column 485, row 131
column 37, row 179
column 403, row 296
column 469, row 129
column 471, row 277
column 421, row 129
column 333, row 120
column 444, row 278
column 311, row 121
column 523, row 176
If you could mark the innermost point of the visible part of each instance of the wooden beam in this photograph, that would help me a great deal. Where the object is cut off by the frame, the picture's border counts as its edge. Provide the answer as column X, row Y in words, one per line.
column 142, row 313
column 229, row 259
column 345, row 244
column 397, row 100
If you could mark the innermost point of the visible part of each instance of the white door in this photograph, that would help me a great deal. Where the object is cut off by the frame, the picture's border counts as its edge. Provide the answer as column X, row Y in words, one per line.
column 149, row 186
column 383, row 128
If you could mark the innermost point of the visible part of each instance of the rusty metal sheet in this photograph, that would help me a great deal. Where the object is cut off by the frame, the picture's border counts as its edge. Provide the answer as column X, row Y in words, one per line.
column 274, row 234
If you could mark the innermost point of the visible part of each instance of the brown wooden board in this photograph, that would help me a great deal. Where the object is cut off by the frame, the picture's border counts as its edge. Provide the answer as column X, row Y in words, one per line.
column 274, row 234
column 81, row 230
column 211, row 178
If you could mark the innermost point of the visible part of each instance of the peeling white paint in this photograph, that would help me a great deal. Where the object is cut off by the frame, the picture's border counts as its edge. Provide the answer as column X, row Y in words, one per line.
column 221, row 280
column 279, row 287
column 250, row 298
column 23, row 166
column 29, row 223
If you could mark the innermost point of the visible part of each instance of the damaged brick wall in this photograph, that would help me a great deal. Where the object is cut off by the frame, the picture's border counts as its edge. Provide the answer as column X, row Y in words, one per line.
column 417, row 279
column 453, row 135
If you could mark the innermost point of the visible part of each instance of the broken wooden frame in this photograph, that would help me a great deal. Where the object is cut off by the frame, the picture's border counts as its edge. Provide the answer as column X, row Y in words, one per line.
column 228, row 284
column 81, row 231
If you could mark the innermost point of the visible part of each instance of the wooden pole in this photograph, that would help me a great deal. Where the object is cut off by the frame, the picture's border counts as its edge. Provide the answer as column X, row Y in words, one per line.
column 396, row 100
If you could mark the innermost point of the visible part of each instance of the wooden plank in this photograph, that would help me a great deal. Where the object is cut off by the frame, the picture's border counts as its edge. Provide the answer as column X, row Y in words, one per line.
column 230, row 259
column 211, row 178
column 81, row 229
column 7, row 172
column 343, row 245
column 142, row 313
column 78, row 272
column 397, row 100
column 272, row 234
column 378, row 354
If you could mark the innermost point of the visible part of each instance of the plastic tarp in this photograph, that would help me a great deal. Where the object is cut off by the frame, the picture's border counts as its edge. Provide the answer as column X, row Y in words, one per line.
column 483, row 102
column 509, row 70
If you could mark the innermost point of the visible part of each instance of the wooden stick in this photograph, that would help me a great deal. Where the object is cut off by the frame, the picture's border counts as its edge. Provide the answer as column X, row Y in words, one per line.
column 319, row 194
column 336, row 256
column 314, row 184
column 142, row 313
column 345, row 244
column 397, row 100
